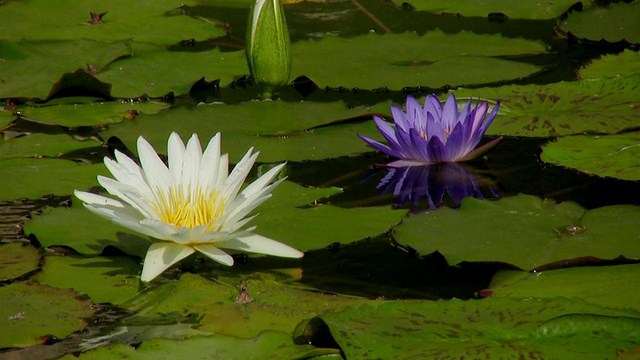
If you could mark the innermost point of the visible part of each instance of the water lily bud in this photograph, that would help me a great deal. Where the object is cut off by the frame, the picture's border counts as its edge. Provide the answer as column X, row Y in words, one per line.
column 267, row 45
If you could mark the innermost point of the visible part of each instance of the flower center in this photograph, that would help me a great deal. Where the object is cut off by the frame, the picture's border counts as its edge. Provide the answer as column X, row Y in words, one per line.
column 190, row 208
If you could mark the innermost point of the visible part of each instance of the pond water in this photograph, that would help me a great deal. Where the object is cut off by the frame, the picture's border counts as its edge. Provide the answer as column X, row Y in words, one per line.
column 540, row 259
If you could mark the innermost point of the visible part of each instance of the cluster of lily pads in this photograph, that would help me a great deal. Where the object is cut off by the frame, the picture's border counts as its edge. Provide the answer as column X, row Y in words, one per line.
column 76, row 279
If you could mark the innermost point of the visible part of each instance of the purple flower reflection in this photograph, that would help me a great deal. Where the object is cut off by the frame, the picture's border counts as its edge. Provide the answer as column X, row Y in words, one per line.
column 411, row 183
column 434, row 134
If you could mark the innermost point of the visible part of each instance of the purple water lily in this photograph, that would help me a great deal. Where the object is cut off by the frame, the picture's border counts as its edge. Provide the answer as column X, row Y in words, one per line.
column 433, row 134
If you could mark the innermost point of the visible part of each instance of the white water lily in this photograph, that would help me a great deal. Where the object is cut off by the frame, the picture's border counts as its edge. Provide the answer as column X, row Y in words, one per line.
column 192, row 205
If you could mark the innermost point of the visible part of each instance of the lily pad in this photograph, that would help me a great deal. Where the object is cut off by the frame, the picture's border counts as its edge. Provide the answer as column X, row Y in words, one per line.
column 615, row 22
column 274, row 306
column 33, row 178
column 566, row 108
column 155, row 71
column 523, row 231
column 526, row 9
column 29, row 312
column 607, row 156
column 83, row 231
column 40, row 145
column 280, row 218
column 267, row 345
column 399, row 60
column 146, row 21
column 94, row 113
column 316, row 227
column 112, row 279
column 495, row 327
column 624, row 64
column 608, row 286
column 279, row 130
column 46, row 61
column 17, row 259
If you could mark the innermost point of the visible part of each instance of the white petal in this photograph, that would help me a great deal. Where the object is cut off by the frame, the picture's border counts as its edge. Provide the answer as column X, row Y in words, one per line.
column 263, row 245
column 223, row 171
column 242, row 205
column 155, row 171
column 99, row 200
column 215, row 254
column 127, row 172
column 238, row 175
column 191, row 165
column 128, row 194
column 209, row 167
column 161, row 256
column 175, row 154
column 263, row 180
column 125, row 218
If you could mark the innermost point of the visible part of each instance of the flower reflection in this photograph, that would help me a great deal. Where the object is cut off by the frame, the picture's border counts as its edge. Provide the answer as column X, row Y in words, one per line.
column 411, row 183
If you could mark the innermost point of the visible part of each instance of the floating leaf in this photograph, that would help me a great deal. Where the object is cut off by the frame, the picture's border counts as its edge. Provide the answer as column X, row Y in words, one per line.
column 141, row 21
column 399, row 60
column 513, row 9
column 29, row 312
column 38, row 177
column 624, row 64
column 212, row 307
column 17, row 259
column 609, row 286
column 155, row 71
column 279, row 130
column 46, row 61
column 39, row 145
column 112, row 279
column 494, row 327
column 274, row 345
column 524, row 231
column 93, row 113
column 565, row 108
column 613, row 155
column 319, row 226
column 615, row 22
column 83, row 231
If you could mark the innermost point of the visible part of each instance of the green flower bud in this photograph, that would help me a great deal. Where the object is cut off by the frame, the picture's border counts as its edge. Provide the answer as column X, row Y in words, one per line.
column 267, row 45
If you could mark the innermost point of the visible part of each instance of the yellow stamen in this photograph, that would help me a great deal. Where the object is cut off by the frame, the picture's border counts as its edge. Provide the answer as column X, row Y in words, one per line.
column 190, row 208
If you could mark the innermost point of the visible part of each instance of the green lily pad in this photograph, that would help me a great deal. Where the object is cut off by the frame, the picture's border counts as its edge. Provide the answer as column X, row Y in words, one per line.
column 39, row 145
column 155, row 71
column 280, row 218
column 615, row 22
column 94, row 113
column 29, row 312
column 83, row 231
column 498, row 328
column 565, row 108
column 279, row 130
column 212, row 304
column 624, row 64
column 33, row 178
column 399, row 60
column 17, row 259
column 46, row 61
column 608, row 286
column 267, row 345
column 316, row 227
column 112, row 279
column 524, row 231
column 613, row 155
column 153, row 21
column 526, row 9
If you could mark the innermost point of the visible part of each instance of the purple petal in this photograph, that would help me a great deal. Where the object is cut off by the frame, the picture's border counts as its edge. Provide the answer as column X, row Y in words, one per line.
column 387, row 131
column 432, row 105
column 450, row 113
column 482, row 149
column 457, row 145
column 436, row 150
column 380, row 147
column 414, row 112
column 400, row 118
